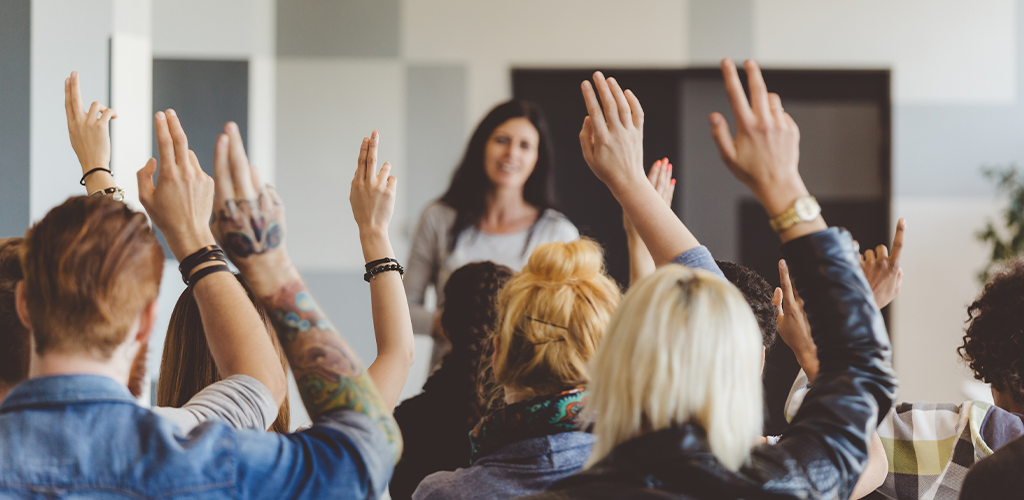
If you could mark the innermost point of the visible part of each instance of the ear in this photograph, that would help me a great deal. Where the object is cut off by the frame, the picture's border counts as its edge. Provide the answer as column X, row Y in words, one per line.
column 147, row 321
column 21, row 305
column 764, row 351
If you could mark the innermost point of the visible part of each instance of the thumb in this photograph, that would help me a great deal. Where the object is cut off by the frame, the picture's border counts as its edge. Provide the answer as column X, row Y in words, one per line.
column 723, row 138
column 777, row 302
column 145, row 179
column 587, row 140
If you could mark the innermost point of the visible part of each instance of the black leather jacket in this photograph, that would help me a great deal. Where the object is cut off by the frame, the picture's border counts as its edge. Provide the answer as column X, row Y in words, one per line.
column 823, row 452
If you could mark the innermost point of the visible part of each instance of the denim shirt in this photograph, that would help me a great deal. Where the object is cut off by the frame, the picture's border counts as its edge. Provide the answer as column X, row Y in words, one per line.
column 699, row 258
column 522, row 468
column 85, row 436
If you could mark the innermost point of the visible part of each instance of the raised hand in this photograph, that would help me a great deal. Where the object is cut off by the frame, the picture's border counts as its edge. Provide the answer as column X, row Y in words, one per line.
column 766, row 150
column 90, row 134
column 249, row 216
column 181, row 201
column 883, row 270
column 612, row 137
column 794, row 328
column 660, row 176
column 372, row 194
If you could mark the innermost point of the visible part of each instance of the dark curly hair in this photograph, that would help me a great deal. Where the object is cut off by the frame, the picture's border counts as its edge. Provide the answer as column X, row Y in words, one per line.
column 468, row 316
column 14, row 337
column 994, row 340
column 759, row 294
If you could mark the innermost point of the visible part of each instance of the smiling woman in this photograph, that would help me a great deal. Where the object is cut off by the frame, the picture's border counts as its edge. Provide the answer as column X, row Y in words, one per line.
column 499, row 207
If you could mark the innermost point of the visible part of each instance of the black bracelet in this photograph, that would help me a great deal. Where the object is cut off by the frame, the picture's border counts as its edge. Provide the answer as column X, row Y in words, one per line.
column 93, row 171
column 381, row 269
column 385, row 260
column 206, row 271
column 205, row 254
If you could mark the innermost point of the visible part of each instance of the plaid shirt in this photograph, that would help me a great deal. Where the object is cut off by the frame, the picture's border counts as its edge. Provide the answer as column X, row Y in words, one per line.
column 931, row 446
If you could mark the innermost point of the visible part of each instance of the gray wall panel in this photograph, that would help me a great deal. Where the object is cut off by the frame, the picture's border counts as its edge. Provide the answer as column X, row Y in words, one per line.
column 330, row 28
column 345, row 298
column 435, row 131
column 15, row 81
column 721, row 28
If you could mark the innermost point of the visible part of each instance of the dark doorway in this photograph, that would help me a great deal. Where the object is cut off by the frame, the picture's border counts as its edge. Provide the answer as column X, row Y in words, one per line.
column 845, row 120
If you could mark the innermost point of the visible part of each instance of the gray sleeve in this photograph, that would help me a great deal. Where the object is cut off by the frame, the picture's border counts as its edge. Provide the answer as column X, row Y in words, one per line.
column 367, row 437
column 239, row 401
column 699, row 258
column 421, row 270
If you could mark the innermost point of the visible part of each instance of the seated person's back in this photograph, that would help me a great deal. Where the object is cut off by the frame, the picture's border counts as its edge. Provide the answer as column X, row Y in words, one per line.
column 551, row 318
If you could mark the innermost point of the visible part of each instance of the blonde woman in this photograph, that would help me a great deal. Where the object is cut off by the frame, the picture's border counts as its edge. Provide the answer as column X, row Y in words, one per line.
column 550, row 320
column 675, row 386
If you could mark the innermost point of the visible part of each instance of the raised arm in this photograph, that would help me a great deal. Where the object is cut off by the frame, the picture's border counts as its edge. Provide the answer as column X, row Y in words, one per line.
column 612, row 142
column 641, row 263
column 250, row 225
column 373, row 202
column 180, row 204
column 855, row 384
column 90, row 136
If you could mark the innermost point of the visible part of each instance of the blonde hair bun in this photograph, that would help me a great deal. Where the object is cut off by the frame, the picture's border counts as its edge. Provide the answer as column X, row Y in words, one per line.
column 579, row 260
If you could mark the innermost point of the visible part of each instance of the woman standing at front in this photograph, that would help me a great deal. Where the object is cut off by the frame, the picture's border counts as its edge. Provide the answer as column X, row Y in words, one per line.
column 498, row 207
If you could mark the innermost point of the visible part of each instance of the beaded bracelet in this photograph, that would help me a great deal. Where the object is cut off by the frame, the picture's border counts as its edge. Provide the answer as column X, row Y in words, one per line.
column 385, row 260
column 385, row 268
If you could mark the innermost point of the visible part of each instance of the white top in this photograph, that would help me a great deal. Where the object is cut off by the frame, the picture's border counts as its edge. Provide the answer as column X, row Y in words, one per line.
column 430, row 262
column 239, row 401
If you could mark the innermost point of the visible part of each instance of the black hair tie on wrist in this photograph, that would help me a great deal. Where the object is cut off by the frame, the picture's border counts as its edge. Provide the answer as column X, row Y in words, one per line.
column 93, row 171
column 206, row 271
column 205, row 254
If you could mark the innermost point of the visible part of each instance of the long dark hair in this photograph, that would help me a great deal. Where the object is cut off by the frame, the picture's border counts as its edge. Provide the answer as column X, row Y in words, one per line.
column 467, row 193
column 187, row 366
column 467, row 319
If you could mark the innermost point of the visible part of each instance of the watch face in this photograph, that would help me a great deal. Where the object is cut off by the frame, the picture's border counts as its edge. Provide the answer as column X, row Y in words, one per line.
column 807, row 208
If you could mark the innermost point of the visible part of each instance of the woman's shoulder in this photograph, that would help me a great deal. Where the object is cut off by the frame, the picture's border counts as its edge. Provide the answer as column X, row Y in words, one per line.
column 555, row 226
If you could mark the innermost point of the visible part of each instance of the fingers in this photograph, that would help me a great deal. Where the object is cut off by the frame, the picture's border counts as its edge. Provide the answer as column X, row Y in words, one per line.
column 371, row 156
column 653, row 174
column 587, row 140
column 611, row 110
column 775, row 103
column 241, row 174
column 145, row 180
column 734, row 90
column 361, row 162
column 68, row 109
column 723, row 138
column 385, row 173
column 897, row 242
column 76, row 95
column 107, row 115
column 758, row 89
column 224, row 185
column 625, row 115
column 94, row 111
column 179, row 140
column 777, row 302
column 635, row 109
column 598, row 125
column 165, row 145
column 881, row 252
column 788, row 293
column 194, row 162
column 869, row 255
column 257, row 179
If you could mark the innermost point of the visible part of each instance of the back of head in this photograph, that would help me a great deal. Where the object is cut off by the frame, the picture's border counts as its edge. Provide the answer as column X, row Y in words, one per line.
column 91, row 266
column 758, row 293
column 14, row 340
column 468, row 317
column 994, row 342
column 551, row 318
column 683, row 347
column 187, row 367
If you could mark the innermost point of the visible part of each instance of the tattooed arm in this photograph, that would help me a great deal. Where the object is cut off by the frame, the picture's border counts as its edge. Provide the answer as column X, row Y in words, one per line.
column 250, row 225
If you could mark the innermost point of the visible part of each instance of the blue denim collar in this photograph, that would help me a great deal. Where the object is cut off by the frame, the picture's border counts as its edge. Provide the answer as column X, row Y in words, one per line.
column 66, row 389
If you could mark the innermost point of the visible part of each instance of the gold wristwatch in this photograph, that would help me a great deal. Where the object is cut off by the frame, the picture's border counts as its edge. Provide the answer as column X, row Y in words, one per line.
column 804, row 209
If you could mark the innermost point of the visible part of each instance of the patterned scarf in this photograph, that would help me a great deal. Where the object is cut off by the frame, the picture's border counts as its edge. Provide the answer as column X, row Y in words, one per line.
column 536, row 417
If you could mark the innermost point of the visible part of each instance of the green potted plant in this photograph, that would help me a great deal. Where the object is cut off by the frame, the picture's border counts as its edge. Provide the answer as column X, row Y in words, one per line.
column 1010, row 182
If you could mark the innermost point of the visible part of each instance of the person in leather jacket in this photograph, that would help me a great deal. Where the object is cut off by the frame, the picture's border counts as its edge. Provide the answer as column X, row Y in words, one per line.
column 654, row 441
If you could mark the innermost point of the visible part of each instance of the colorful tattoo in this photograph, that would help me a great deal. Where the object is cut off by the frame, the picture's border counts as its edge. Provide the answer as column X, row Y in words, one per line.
column 250, row 227
column 328, row 372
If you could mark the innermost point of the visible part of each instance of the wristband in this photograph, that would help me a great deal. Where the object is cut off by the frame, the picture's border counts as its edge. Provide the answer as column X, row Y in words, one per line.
column 118, row 193
column 385, row 260
column 381, row 269
column 93, row 171
column 205, row 254
column 206, row 271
